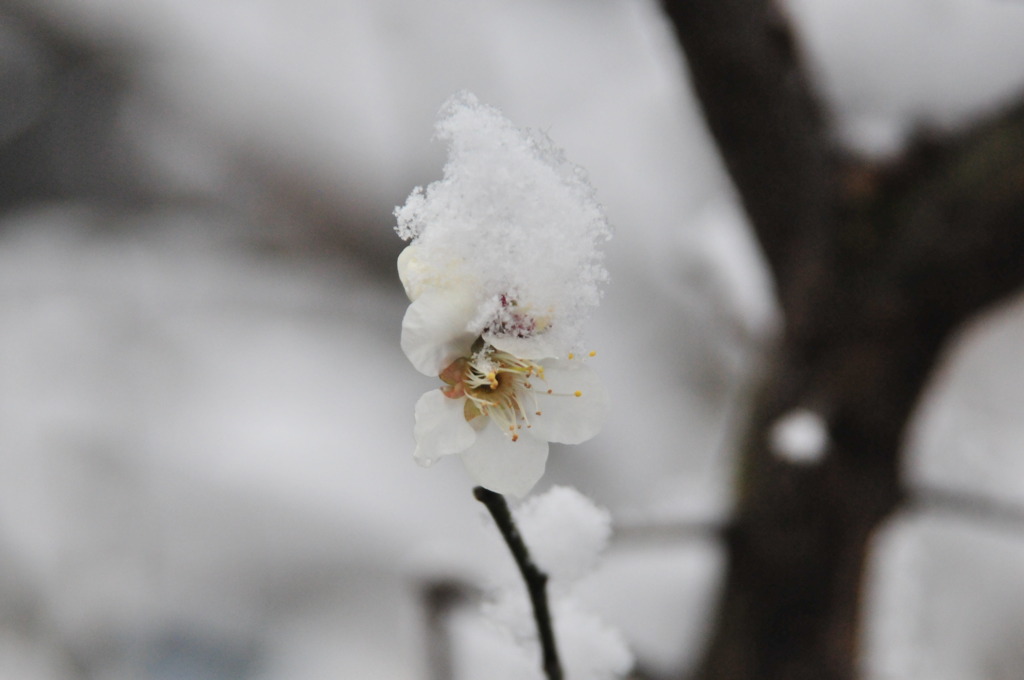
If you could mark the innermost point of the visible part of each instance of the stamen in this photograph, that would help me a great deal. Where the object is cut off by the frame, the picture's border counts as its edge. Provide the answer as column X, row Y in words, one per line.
column 497, row 385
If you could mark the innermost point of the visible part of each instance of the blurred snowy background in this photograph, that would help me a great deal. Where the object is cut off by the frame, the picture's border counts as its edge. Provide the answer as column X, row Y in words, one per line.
column 205, row 417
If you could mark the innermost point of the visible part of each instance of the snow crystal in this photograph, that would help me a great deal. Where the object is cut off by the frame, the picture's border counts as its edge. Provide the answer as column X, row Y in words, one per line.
column 512, row 220
column 565, row 532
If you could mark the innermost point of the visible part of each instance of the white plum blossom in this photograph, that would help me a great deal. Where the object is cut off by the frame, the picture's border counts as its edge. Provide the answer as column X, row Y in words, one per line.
column 502, row 269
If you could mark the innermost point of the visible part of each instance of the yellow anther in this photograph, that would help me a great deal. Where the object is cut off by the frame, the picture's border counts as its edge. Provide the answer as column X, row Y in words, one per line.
column 538, row 413
column 593, row 353
column 577, row 393
column 571, row 356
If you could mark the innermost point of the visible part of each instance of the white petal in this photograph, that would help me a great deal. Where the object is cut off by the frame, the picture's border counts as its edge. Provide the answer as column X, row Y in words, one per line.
column 534, row 348
column 407, row 264
column 434, row 329
column 441, row 428
column 566, row 418
column 504, row 466
column 420, row 274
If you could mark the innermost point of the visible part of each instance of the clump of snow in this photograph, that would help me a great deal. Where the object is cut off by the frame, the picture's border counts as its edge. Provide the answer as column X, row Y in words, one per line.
column 513, row 221
column 565, row 532
column 799, row 437
column 482, row 649
column 591, row 649
column 588, row 648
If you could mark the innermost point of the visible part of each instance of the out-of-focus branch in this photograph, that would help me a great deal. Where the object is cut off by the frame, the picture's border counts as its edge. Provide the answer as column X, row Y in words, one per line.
column 958, row 223
column 993, row 512
column 767, row 124
column 875, row 268
column 438, row 598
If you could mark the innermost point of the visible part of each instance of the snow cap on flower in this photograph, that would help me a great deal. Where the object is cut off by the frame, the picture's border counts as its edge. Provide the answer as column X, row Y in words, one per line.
column 503, row 268
column 513, row 222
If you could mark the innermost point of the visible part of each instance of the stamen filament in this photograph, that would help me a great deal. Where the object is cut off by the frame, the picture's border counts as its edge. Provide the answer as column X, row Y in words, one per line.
column 498, row 386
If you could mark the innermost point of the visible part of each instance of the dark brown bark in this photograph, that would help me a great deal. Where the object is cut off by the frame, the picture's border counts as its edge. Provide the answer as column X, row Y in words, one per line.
column 875, row 268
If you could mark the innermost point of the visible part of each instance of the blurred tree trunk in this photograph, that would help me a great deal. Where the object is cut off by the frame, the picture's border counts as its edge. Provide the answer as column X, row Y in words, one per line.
column 875, row 267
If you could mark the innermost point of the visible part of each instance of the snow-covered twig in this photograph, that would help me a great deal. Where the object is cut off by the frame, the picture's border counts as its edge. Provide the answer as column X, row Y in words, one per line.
column 536, row 580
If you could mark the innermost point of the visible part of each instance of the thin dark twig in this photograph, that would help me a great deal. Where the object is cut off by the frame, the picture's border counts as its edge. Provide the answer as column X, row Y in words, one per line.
column 536, row 580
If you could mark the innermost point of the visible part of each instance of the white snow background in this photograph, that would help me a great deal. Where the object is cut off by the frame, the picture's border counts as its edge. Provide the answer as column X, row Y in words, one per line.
column 205, row 443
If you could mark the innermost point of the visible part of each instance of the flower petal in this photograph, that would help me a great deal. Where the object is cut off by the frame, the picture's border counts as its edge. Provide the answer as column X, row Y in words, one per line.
column 566, row 418
column 441, row 428
column 420, row 274
column 534, row 347
column 434, row 330
column 504, row 466
column 407, row 264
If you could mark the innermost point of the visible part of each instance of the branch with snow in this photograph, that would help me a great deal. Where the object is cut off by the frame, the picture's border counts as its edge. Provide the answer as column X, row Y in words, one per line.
column 503, row 268
column 876, row 266
column 535, row 579
column 567, row 533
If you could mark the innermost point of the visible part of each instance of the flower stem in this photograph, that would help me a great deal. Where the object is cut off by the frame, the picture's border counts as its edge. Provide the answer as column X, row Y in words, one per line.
column 536, row 580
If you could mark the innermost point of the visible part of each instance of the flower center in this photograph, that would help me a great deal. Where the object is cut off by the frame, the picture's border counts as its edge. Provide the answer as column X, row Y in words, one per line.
column 496, row 385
